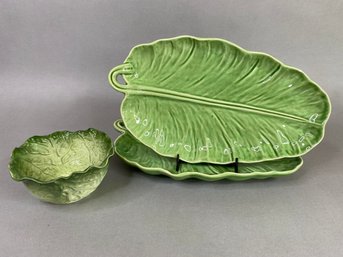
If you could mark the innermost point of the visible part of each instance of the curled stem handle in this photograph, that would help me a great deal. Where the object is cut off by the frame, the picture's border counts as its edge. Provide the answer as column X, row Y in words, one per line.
column 119, row 125
column 123, row 69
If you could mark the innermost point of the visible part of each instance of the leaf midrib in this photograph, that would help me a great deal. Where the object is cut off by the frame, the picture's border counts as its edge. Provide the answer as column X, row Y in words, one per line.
column 144, row 90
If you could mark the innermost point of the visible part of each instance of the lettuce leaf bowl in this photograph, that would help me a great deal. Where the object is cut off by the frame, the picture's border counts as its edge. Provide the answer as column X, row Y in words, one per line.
column 62, row 167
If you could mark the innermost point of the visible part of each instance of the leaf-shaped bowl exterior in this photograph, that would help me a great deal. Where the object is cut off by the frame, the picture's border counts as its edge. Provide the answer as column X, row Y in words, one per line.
column 62, row 167
column 139, row 155
column 211, row 101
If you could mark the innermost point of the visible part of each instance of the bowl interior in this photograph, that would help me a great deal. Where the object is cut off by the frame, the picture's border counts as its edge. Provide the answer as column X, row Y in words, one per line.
column 59, row 155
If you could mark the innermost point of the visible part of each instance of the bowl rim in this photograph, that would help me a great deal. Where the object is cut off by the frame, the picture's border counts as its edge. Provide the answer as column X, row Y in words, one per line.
column 104, row 163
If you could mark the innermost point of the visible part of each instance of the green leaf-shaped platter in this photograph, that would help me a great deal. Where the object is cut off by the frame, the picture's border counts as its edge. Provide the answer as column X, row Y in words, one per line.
column 62, row 167
column 139, row 155
column 209, row 100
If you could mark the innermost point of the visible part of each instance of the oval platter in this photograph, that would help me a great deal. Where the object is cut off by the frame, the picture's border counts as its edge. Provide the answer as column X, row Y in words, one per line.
column 209, row 100
column 139, row 155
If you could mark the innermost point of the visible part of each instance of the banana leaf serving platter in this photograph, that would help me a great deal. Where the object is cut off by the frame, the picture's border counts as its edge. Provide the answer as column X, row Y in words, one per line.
column 210, row 101
column 139, row 155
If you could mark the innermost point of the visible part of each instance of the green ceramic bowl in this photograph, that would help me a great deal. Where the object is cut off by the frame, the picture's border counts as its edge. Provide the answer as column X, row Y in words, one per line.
column 62, row 167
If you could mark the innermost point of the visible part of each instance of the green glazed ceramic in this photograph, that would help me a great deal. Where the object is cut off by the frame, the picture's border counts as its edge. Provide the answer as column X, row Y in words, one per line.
column 211, row 101
column 62, row 167
column 141, row 156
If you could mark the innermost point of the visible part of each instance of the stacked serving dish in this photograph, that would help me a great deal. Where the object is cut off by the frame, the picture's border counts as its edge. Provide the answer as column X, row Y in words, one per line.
column 206, row 108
